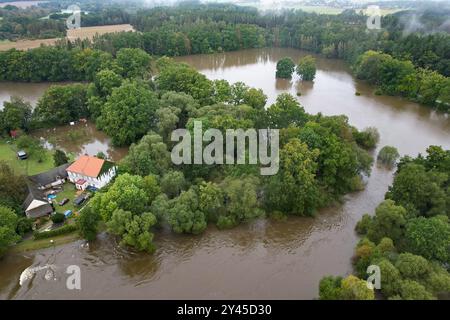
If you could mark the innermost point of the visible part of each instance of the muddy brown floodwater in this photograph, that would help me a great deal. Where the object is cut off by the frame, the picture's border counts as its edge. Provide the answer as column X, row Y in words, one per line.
column 82, row 138
column 263, row 259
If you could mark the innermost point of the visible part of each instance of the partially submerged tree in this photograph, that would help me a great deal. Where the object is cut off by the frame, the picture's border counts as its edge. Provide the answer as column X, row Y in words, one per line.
column 285, row 68
column 306, row 68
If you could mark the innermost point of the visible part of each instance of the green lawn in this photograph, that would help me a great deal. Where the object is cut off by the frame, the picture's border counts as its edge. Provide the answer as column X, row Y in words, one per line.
column 69, row 192
column 27, row 167
column 31, row 244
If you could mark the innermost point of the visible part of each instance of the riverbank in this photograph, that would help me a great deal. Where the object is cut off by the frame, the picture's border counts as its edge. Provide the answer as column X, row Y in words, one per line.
column 34, row 245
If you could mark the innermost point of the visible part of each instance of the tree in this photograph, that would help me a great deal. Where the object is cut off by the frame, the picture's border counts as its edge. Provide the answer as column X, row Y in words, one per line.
column 364, row 224
column 241, row 196
column 167, row 120
column 211, row 199
column 61, row 105
column 133, row 62
column 60, row 158
column 133, row 228
column 151, row 187
column 172, row 183
column 128, row 113
column 105, row 81
column 16, row 114
column 429, row 237
column 238, row 91
column 285, row 68
column 87, row 222
column 8, row 224
column 255, row 98
column 160, row 207
column 330, row 288
column 222, row 91
column 354, row 288
column 149, row 156
column 306, row 68
column 350, row 288
column 368, row 138
column 412, row 266
column 286, row 111
column 185, row 215
column 418, row 190
column 181, row 77
column 388, row 155
column 294, row 189
column 389, row 221
column 390, row 278
column 127, row 193
column 100, row 89
column 412, row 290
column 13, row 188
column 180, row 101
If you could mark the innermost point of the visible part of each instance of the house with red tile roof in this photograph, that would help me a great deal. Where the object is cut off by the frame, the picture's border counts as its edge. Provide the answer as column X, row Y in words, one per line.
column 89, row 171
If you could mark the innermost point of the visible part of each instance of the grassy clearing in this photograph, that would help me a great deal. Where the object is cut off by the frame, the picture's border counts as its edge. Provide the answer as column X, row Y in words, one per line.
column 26, row 167
column 31, row 244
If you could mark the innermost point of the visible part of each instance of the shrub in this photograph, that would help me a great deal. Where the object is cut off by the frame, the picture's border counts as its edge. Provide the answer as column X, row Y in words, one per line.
column 68, row 228
column 225, row 222
column 368, row 138
column 58, row 217
column 24, row 225
column 388, row 155
column 285, row 68
column 307, row 68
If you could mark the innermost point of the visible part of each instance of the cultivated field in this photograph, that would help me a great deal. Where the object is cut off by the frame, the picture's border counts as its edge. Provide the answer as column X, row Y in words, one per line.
column 90, row 32
column 82, row 33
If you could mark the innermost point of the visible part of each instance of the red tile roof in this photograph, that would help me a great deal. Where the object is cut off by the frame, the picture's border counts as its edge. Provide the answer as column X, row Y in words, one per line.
column 87, row 166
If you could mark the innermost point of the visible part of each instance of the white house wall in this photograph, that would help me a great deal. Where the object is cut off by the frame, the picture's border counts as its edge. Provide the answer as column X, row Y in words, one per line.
column 98, row 182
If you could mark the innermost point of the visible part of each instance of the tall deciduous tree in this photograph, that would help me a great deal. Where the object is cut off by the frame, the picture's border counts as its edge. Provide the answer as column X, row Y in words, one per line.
column 13, row 188
column 134, row 229
column 128, row 192
column 16, row 114
column 128, row 113
column 133, row 62
column 59, row 158
column 149, row 156
column 294, row 190
column 62, row 104
column 87, row 222
column 8, row 224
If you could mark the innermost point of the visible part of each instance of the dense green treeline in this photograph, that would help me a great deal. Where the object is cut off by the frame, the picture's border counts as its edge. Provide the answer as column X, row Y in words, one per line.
column 338, row 36
column 398, row 77
column 192, row 29
column 408, row 238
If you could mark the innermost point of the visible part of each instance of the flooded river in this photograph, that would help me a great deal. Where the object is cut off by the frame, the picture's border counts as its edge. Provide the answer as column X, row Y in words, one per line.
column 263, row 259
